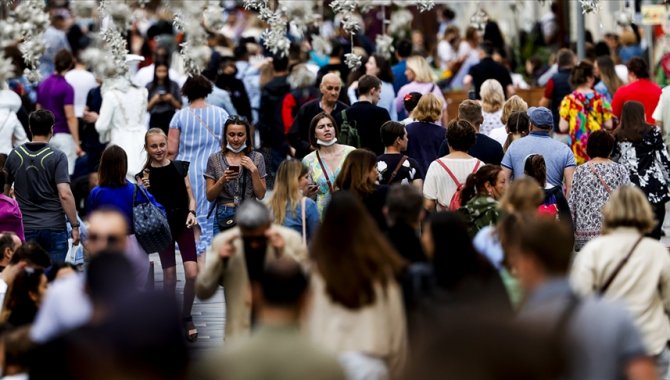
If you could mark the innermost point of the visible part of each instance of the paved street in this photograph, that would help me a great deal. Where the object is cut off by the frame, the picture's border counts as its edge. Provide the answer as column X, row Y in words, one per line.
column 208, row 315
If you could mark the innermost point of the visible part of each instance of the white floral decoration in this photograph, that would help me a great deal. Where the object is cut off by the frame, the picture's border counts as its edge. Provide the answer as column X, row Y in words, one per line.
column 321, row 45
column 301, row 14
column 178, row 22
column 191, row 67
column 275, row 36
column 213, row 16
column 425, row 5
column 100, row 61
column 352, row 60
column 589, row 6
column 118, row 49
column 25, row 25
column 119, row 13
column 479, row 19
column 6, row 70
column 384, row 44
column 343, row 6
column 401, row 19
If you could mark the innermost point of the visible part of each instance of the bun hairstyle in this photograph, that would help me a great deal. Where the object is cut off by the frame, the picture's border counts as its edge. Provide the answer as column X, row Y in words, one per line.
column 475, row 184
column 536, row 167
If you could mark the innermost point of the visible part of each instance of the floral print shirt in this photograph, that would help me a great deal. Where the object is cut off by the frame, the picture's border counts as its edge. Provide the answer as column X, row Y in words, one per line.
column 585, row 113
column 648, row 164
column 588, row 196
column 319, row 178
column 479, row 212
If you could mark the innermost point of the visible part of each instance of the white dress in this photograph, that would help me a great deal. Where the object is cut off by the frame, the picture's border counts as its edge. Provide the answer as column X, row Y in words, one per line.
column 12, row 133
column 121, row 121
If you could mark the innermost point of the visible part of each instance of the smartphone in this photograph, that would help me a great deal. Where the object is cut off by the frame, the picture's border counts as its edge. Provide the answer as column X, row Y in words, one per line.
column 234, row 168
column 161, row 92
column 312, row 187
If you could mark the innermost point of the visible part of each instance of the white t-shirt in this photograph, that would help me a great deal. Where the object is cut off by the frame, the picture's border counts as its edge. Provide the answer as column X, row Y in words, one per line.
column 446, row 53
column 499, row 134
column 82, row 81
column 439, row 185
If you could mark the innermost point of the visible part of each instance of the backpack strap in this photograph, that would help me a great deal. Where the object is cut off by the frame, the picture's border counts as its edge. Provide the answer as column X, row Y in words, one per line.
column 344, row 116
column 451, row 174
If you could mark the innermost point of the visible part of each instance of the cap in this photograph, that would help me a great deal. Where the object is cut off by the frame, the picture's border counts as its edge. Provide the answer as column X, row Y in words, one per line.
column 411, row 100
column 541, row 117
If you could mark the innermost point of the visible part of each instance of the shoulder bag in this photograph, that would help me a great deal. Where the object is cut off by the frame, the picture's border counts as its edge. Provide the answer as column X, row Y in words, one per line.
column 150, row 224
column 610, row 279
column 397, row 169
column 325, row 172
column 304, row 222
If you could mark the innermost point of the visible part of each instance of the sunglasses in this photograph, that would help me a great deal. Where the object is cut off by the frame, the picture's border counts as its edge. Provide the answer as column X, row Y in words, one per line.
column 331, row 88
column 236, row 119
column 108, row 239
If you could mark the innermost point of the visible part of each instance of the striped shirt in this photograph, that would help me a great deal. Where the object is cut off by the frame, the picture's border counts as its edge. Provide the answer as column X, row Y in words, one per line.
column 201, row 130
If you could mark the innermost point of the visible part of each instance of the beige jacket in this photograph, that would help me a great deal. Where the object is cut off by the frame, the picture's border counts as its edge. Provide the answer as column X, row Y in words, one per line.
column 233, row 277
column 378, row 330
column 643, row 284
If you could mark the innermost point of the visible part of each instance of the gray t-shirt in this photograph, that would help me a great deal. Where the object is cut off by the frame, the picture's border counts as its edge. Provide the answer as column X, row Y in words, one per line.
column 243, row 187
column 557, row 156
column 601, row 336
column 36, row 169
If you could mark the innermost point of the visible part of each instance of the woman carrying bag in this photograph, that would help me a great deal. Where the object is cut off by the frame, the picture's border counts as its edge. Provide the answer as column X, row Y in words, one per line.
column 234, row 174
column 168, row 181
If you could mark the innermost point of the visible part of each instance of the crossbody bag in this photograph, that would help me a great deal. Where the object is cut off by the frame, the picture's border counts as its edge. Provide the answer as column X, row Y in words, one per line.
column 325, row 172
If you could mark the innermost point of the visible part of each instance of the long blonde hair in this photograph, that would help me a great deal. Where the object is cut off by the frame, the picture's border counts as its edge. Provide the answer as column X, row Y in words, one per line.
column 422, row 71
column 152, row 131
column 287, row 189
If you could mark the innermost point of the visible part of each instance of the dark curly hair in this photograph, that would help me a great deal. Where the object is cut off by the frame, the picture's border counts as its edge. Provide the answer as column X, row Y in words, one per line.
column 461, row 135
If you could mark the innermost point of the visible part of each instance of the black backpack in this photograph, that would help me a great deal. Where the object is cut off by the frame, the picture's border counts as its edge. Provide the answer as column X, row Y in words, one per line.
column 348, row 133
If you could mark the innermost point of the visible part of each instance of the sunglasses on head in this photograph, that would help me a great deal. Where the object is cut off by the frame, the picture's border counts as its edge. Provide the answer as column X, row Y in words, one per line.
column 236, row 119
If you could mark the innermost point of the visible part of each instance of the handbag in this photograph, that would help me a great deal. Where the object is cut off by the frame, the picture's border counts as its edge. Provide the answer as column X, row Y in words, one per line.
column 610, row 279
column 151, row 225
column 226, row 223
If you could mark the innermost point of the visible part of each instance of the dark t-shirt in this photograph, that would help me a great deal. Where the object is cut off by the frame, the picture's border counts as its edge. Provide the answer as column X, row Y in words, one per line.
column 485, row 149
column 487, row 68
column 168, row 187
column 36, row 169
column 424, row 142
column 408, row 172
column 368, row 118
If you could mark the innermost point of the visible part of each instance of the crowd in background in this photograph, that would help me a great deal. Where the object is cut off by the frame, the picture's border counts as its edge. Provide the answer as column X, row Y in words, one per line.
column 359, row 230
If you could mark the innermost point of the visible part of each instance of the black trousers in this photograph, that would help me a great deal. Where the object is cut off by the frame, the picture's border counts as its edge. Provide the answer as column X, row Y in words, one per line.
column 659, row 212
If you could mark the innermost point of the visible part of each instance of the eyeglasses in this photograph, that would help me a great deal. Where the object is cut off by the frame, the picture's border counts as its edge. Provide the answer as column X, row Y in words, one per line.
column 331, row 88
column 108, row 239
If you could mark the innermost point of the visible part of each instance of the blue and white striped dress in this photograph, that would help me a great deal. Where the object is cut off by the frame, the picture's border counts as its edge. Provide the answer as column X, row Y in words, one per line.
column 196, row 143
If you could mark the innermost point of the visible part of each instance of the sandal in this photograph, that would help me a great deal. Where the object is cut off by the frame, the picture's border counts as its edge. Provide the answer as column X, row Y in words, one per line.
column 190, row 330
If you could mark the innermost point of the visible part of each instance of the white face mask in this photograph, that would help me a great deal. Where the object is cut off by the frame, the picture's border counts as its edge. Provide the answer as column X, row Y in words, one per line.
column 238, row 150
column 326, row 143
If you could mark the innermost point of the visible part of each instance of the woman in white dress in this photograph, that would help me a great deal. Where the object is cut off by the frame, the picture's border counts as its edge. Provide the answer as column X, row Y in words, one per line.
column 121, row 120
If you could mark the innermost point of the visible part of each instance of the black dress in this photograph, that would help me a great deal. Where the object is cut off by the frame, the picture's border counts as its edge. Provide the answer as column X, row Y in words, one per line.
column 168, row 187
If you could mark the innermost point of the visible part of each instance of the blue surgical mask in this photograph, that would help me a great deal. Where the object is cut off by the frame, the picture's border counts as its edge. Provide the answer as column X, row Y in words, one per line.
column 238, row 150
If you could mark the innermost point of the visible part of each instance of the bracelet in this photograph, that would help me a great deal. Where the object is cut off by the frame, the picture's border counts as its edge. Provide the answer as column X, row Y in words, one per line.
column 192, row 212
column 75, row 225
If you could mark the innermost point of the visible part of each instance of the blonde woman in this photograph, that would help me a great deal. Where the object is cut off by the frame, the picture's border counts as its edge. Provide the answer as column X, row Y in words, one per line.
column 287, row 202
column 425, row 134
column 493, row 99
column 643, row 283
column 502, row 134
column 422, row 80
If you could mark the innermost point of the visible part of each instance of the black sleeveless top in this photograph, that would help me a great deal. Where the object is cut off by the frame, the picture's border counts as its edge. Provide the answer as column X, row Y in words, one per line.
column 167, row 185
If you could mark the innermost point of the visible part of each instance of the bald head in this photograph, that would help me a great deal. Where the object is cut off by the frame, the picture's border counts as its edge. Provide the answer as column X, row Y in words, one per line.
column 107, row 229
column 330, row 87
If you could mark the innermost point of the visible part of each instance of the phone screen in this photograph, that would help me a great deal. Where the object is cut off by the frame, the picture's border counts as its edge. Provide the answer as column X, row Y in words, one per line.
column 234, row 168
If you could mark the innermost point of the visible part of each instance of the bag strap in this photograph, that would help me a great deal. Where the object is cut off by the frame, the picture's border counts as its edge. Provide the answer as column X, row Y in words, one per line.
column 203, row 123
column 600, row 178
column 304, row 222
column 623, row 262
column 344, row 116
column 397, row 168
column 451, row 174
column 325, row 172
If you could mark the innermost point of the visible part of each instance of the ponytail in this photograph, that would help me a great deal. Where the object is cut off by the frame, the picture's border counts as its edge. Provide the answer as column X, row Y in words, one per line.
column 475, row 184
column 468, row 191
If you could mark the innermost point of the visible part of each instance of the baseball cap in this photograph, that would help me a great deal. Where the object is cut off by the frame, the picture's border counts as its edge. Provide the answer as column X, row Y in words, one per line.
column 541, row 117
column 411, row 100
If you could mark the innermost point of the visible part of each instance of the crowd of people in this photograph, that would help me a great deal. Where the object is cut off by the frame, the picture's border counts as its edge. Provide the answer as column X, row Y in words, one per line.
column 357, row 228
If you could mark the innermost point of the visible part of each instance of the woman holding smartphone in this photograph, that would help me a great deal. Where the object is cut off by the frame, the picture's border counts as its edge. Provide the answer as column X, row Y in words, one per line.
column 168, row 182
column 164, row 98
column 234, row 174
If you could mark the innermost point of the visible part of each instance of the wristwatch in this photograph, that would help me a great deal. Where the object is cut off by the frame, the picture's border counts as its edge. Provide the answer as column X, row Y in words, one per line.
column 192, row 212
column 74, row 225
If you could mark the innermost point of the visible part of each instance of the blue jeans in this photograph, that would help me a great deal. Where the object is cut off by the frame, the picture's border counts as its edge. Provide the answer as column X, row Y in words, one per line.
column 53, row 241
column 222, row 213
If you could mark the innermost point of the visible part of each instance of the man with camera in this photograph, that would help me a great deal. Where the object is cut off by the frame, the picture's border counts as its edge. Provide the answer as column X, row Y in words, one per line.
column 237, row 259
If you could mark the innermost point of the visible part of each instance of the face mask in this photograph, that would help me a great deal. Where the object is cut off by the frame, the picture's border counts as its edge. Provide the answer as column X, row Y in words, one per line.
column 326, row 143
column 238, row 150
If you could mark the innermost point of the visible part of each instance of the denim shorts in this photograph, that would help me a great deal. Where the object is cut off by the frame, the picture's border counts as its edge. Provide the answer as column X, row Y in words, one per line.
column 222, row 213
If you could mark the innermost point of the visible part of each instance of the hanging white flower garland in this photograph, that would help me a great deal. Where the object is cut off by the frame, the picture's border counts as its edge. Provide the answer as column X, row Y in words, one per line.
column 26, row 24
column 275, row 37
